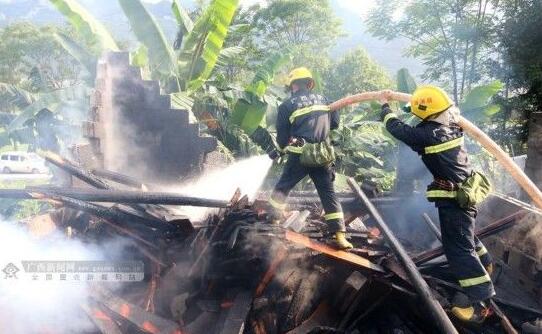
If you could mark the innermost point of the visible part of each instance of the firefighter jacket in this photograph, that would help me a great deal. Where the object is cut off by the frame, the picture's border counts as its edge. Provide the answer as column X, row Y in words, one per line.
column 441, row 148
column 305, row 115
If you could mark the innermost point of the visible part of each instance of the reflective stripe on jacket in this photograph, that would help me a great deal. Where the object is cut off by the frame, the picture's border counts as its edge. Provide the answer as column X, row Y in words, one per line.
column 305, row 115
column 441, row 148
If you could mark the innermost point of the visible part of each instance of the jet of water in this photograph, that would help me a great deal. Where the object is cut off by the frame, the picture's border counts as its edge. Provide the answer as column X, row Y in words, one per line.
column 248, row 175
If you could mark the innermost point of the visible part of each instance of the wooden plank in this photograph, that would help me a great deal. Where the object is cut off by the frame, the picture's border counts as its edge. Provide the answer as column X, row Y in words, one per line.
column 357, row 260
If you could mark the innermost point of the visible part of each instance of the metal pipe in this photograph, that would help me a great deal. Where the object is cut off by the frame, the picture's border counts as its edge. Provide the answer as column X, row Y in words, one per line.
column 74, row 170
column 469, row 128
column 120, row 178
column 116, row 196
column 435, row 309
column 432, row 226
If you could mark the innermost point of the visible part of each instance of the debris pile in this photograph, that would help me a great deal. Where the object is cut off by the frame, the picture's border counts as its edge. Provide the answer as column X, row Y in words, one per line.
column 236, row 272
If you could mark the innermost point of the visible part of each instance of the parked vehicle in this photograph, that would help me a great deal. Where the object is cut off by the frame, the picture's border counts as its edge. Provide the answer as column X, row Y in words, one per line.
column 22, row 162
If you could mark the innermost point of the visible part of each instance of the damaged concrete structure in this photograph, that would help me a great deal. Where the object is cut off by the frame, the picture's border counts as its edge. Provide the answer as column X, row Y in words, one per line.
column 130, row 122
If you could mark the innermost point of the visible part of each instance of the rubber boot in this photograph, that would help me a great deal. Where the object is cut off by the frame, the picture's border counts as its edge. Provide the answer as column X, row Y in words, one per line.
column 341, row 242
column 475, row 313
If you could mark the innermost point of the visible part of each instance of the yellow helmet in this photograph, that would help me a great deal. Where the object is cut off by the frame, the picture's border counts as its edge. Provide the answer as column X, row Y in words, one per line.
column 299, row 73
column 429, row 100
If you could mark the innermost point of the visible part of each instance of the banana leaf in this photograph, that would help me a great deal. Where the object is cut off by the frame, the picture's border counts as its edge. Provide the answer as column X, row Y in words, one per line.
column 228, row 55
column 249, row 112
column 16, row 96
column 405, row 82
column 477, row 103
column 79, row 53
column 210, row 31
column 88, row 26
column 148, row 32
column 181, row 100
column 140, row 57
column 266, row 73
column 52, row 101
column 181, row 15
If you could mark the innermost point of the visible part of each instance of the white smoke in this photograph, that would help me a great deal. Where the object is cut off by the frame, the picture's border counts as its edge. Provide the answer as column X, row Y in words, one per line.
column 28, row 306
column 248, row 175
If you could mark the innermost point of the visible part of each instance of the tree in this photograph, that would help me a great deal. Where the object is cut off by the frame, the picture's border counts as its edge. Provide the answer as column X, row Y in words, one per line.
column 31, row 58
column 353, row 73
column 451, row 37
column 521, row 39
column 309, row 27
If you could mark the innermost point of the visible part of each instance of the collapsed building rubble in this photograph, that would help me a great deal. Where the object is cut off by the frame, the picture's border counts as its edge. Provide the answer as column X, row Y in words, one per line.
column 236, row 272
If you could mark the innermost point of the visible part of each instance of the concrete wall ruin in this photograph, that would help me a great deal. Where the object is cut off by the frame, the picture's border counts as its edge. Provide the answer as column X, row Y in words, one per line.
column 132, row 129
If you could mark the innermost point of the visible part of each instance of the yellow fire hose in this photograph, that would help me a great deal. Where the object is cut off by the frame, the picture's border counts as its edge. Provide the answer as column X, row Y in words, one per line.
column 469, row 128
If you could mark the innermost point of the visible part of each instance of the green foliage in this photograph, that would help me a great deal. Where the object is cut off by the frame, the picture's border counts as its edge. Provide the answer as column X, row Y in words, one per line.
column 405, row 82
column 90, row 28
column 140, row 57
column 27, row 49
column 452, row 38
column 364, row 148
column 355, row 72
column 308, row 27
column 19, row 209
column 477, row 103
column 181, row 15
column 12, row 96
column 521, row 39
column 148, row 33
column 249, row 111
column 79, row 52
column 210, row 31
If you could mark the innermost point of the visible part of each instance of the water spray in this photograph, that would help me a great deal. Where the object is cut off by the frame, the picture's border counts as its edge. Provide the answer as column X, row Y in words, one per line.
column 247, row 175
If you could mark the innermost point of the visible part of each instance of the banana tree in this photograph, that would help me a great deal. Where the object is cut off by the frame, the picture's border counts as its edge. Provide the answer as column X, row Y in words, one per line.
column 66, row 105
column 478, row 104
column 181, row 73
column 186, row 67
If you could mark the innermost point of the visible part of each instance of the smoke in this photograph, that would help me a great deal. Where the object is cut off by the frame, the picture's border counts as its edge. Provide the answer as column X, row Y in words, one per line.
column 248, row 175
column 527, row 236
column 41, row 306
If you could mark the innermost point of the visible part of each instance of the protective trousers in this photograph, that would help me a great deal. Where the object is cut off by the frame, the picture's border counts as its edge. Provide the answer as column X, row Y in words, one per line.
column 322, row 177
column 466, row 254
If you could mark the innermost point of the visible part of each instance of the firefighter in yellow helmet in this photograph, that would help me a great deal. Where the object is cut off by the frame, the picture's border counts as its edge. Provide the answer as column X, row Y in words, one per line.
column 304, row 122
column 455, row 190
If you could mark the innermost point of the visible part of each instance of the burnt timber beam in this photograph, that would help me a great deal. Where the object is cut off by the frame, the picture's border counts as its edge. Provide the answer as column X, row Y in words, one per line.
column 115, row 196
column 435, row 309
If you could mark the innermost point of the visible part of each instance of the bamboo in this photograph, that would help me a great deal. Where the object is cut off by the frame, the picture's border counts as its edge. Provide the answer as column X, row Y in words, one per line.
column 504, row 159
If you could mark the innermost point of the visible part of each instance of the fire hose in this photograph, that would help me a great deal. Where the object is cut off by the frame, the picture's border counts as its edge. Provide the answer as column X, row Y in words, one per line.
column 472, row 130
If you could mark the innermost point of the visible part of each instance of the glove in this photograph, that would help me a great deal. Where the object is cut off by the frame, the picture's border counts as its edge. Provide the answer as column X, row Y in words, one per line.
column 275, row 154
column 385, row 110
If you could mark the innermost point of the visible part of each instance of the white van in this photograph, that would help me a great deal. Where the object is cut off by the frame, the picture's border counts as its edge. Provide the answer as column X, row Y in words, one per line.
column 22, row 162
